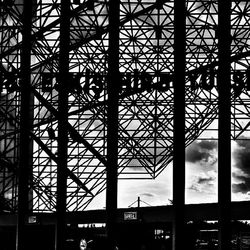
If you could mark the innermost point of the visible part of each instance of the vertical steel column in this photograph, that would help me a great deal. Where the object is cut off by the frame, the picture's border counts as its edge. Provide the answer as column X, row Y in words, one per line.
column 62, row 125
column 112, row 121
column 179, row 123
column 224, row 143
column 26, row 111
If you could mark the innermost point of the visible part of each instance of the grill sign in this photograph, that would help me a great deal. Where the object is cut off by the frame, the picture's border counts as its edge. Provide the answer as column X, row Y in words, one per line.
column 130, row 216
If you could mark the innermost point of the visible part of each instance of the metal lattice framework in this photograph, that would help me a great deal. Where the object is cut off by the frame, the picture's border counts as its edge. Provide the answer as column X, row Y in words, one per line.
column 146, row 91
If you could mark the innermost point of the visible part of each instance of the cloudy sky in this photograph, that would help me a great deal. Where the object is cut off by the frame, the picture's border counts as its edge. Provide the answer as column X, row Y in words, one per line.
column 201, row 178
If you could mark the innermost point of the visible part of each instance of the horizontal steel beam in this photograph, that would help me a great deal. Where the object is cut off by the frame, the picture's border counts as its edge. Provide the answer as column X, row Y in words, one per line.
column 158, row 214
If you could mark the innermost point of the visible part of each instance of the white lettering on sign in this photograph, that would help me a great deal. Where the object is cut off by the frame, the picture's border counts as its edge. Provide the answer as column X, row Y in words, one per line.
column 130, row 216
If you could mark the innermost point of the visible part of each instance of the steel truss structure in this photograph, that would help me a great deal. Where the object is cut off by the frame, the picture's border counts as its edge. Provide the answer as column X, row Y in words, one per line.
column 145, row 97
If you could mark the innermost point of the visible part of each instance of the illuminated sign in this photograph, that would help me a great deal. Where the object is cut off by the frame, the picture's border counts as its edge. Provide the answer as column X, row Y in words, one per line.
column 130, row 216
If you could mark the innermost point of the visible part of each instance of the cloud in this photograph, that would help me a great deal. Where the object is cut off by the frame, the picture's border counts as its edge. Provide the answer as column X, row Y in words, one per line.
column 241, row 187
column 241, row 155
column 208, row 144
column 155, row 192
column 201, row 171
column 195, row 156
column 241, row 168
column 239, row 196
column 147, row 195
column 202, row 151
column 241, row 182
column 204, row 182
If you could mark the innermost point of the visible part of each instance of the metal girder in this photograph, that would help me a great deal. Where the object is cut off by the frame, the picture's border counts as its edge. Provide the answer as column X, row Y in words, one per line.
column 77, row 12
column 146, row 112
column 71, row 129
column 35, row 182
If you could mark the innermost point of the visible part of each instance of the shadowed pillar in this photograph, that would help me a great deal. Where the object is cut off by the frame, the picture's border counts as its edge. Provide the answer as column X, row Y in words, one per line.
column 179, row 125
column 112, row 121
column 62, row 128
column 26, row 111
column 224, row 143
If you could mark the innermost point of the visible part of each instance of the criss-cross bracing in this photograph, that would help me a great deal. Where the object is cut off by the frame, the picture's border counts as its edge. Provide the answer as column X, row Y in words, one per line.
column 145, row 126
